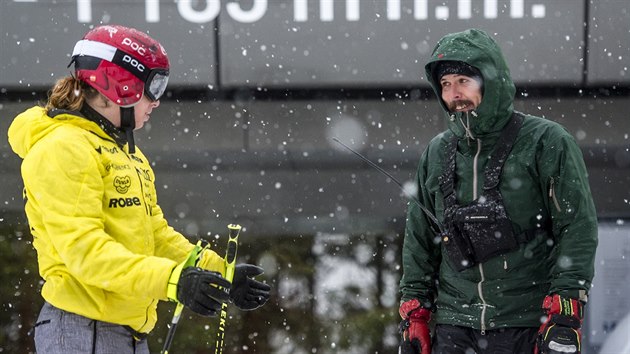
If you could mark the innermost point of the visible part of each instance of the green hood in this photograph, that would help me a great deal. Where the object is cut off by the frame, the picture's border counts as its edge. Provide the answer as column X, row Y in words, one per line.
column 476, row 48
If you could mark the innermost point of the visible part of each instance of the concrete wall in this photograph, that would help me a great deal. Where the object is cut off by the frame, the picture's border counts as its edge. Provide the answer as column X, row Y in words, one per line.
column 272, row 165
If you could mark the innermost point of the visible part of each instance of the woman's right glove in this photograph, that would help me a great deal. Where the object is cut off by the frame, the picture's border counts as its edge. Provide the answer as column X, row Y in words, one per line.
column 199, row 290
column 415, row 328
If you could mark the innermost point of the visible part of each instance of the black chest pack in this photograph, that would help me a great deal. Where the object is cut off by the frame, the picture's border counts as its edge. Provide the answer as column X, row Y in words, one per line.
column 482, row 229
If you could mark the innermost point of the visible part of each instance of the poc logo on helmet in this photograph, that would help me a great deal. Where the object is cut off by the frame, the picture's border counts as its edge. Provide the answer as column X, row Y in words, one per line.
column 123, row 202
column 133, row 62
column 135, row 46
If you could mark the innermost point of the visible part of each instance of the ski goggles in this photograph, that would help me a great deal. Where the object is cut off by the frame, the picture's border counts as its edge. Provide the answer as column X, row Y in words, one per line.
column 88, row 53
column 155, row 84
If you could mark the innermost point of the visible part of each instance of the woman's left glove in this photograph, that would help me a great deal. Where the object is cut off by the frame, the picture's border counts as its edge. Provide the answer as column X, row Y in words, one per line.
column 247, row 293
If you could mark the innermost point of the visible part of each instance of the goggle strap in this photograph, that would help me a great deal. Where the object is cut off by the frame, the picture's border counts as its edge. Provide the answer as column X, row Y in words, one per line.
column 112, row 54
column 127, row 125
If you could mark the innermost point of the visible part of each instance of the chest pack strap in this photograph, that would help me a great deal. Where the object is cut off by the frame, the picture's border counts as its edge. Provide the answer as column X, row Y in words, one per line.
column 492, row 171
column 502, row 150
column 495, row 162
column 448, row 177
column 494, row 167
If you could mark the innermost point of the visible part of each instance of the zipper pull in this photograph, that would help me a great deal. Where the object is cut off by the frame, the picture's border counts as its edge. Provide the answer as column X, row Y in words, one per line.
column 552, row 195
column 504, row 263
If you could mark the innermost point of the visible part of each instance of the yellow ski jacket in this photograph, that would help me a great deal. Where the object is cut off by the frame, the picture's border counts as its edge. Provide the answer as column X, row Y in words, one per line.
column 104, row 247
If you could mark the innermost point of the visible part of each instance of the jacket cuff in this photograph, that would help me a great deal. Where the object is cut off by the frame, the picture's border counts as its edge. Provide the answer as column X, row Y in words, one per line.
column 211, row 261
column 415, row 310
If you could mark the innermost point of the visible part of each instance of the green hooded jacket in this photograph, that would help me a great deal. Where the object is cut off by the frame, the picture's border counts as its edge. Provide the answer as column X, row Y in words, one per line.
column 544, row 183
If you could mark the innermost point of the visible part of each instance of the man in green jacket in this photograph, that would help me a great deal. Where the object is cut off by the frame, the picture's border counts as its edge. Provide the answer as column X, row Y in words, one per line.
column 508, row 266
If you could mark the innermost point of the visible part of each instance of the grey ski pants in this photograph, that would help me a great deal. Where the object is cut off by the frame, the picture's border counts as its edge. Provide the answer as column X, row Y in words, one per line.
column 61, row 332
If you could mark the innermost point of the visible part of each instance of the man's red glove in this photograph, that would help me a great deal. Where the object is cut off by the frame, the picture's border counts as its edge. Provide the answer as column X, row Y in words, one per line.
column 561, row 331
column 415, row 328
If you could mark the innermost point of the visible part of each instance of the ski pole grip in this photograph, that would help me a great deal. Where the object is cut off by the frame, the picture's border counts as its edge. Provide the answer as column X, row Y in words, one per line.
column 230, row 255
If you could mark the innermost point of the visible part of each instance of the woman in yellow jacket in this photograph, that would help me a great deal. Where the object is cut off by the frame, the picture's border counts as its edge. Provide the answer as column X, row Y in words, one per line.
column 104, row 248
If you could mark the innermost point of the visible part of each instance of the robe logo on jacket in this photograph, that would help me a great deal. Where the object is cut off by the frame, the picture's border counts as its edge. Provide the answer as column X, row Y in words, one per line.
column 124, row 202
column 122, row 184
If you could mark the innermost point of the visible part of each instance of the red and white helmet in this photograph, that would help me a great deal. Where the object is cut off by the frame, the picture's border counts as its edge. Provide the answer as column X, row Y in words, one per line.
column 122, row 63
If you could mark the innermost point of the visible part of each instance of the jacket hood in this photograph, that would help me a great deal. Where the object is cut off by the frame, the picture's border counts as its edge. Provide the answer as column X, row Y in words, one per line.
column 34, row 124
column 479, row 50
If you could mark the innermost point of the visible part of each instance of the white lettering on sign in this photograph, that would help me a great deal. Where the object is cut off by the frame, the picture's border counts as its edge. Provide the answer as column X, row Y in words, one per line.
column 152, row 11
column 326, row 8
column 84, row 11
column 213, row 7
column 420, row 9
column 464, row 10
column 352, row 10
column 393, row 10
column 256, row 13
column 517, row 9
column 490, row 8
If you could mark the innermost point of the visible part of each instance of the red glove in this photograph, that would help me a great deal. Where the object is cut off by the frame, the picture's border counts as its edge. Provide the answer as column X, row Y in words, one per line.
column 415, row 328
column 561, row 331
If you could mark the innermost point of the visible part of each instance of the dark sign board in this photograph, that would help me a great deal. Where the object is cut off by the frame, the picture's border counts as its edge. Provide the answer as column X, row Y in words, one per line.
column 382, row 43
column 37, row 37
column 319, row 43
column 609, row 42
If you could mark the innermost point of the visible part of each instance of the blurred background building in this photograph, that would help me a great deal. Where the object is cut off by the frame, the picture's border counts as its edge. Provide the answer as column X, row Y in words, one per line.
column 258, row 90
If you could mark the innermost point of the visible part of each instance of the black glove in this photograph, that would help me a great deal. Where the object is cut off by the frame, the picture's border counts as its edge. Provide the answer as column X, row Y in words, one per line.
column 247, row 293
column 409, row 347
column 198, row 290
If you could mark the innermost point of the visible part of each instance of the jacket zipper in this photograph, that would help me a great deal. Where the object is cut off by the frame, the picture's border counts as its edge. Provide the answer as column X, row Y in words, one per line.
column 475, row 169
column 484, row 304
column 552, row 194
column 146, row 205
column 144, row 201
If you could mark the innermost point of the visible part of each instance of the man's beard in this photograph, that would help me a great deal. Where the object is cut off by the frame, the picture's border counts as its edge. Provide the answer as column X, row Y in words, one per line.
column 453, row 106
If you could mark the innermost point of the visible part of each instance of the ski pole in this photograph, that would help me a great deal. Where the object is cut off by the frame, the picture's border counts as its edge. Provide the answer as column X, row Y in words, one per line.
column 190, row 261
column 379, row 169
column 230, row 262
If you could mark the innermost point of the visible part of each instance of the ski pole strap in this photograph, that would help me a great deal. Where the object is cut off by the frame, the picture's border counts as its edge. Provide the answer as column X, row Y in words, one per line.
column 171, row 290
column 403, row 326
column 193, row 258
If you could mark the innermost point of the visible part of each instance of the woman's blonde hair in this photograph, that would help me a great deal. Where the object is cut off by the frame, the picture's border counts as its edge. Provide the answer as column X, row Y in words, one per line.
column 69, row 93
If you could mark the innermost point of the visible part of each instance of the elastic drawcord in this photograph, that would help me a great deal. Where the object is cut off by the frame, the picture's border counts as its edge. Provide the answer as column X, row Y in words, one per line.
column 466, row 126
column 94, row 338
